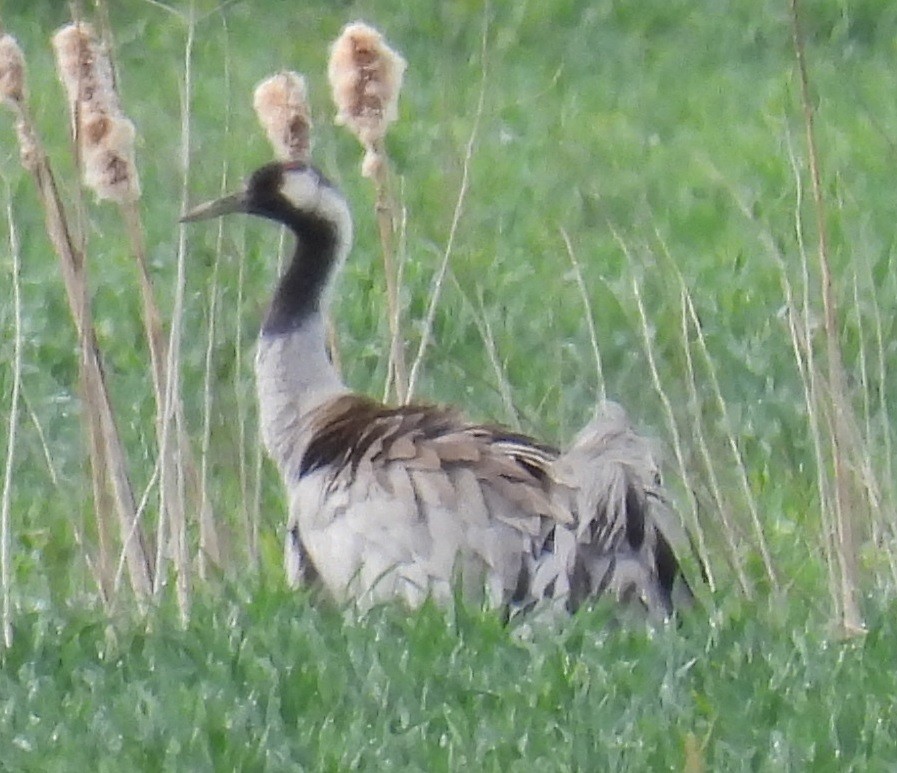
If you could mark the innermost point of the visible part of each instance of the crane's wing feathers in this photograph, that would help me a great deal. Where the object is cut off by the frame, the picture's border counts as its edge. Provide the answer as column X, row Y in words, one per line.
column 352, row 431
column 393, row 493
column 408, row 498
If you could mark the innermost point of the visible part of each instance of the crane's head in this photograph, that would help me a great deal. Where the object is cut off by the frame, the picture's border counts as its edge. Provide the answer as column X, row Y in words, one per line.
column 293, row 193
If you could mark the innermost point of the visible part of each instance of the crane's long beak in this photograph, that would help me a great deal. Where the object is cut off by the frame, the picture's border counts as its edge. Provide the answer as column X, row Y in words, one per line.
column 235, row 202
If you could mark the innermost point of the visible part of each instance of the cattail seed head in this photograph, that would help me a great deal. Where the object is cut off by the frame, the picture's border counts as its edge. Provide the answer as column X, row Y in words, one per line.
column 12, row 71
column 281, row 104
column 109, row 168
column 365, row 77
column 84, row 68
column 105, row 136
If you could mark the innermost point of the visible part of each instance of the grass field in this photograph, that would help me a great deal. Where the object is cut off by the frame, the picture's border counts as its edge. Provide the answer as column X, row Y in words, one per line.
column 666, row 141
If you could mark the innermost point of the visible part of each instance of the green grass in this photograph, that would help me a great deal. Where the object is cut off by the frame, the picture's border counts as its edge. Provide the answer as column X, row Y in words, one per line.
column 656, row 120
column 263, row 680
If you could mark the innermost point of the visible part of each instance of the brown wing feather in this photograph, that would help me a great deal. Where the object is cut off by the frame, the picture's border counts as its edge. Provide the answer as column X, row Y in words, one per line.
column 352, row 427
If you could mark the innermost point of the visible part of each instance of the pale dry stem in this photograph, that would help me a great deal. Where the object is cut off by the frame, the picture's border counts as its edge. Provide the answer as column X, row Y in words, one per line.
column 385, row 208
column 672, row 425
column 846, row 509
column 800, row 324
column 722, row 506
column 737, row 458
column 504, row 386
column 436, row 290
column 5, row 527
column 97, row 401
column 209, row 543
column 589, row 316
column 172, row 417
column 733, row 446
column 42, row 439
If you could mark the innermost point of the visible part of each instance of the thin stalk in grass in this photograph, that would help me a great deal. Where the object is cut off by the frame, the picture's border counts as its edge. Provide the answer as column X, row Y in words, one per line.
column 805, row 353
column 243, row 409
column 879, row 525
column 590, row 318
column 887, row 468
column 209, row 548
column 737, row 458
column 401, row 260
column 172, row 419
column 504, row 386
column 882, row 382
column 208, row 538
column 385, row 208
column 112, row 464
column 11, row 435
column 800, row 325
column 179, row 460
column 673, row 426
column 706, row 456
column 103, row 506
column 878, row 497
column 728, row 528
column 863, row 365
column 141, row 509
column 436, row 289
column 845, row 504
column 42, row 439
column 105, row 141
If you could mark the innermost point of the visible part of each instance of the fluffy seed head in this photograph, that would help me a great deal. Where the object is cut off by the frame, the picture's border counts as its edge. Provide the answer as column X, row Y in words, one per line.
column 107, row 148
column 12, row 70
column 84, row 68
column 281, row 104
column 105, row 136
column 365, row 77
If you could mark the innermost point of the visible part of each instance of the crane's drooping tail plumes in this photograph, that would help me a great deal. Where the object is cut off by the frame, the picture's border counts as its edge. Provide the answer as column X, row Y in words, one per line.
column 624, row 527
column 414, row 501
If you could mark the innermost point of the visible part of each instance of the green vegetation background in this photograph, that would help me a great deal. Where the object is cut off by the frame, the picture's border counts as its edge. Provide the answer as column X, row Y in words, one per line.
column 669, row 123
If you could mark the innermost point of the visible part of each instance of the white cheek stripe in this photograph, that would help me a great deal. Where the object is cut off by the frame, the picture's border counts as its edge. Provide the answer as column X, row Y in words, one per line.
column 305, row 191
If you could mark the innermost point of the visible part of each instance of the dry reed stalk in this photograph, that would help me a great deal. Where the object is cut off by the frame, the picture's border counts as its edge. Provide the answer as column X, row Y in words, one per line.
column 800, row 325
column 103, row 505
column 887, row 473
column 98, row 406
column 504, row 386
column 590, row 318
column 365, row 77
column 688, row 306
column 173, row 416
column 720, row 501
column 42, row 439
column 846, row 510
column 5, row 534
column 205, row 532
column 728, row 530
column 880, row 526
column 104, row 139
column 251, row 515
column 732, row 442
column 678, row 445
column 436, row 290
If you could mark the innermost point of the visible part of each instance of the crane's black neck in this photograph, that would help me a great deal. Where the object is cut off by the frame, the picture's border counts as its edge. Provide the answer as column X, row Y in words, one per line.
column 301, row 288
